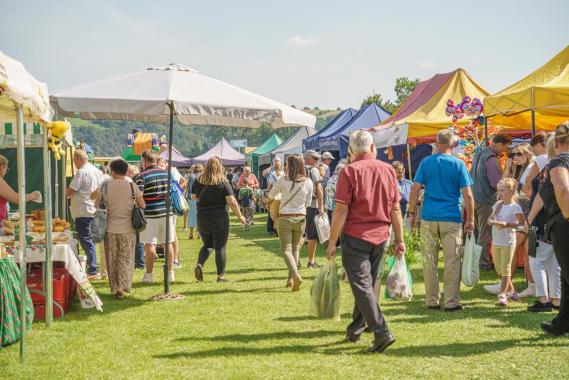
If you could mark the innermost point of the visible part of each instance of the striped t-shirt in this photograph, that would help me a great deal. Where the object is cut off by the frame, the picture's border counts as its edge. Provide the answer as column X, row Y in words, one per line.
column 153, row 183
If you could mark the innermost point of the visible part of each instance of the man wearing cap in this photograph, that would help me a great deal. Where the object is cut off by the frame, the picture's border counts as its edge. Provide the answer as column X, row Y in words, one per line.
column 327, row 159
column 316, row 206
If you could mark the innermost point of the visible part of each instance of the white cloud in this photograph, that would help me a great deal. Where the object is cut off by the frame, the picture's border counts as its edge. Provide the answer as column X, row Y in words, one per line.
column 300, row 41
column 427, row 65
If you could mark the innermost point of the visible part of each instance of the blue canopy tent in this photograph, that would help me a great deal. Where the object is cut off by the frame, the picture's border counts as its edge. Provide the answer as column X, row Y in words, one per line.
column 399, row 153
column 340, row 120
column 337, row 137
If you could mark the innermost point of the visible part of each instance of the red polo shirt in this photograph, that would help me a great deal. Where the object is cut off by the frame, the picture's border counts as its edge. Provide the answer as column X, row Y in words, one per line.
column 369, row 188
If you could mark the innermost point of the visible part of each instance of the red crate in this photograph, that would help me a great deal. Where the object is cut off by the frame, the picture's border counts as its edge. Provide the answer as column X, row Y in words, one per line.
column 61, row 286
column 39, row 312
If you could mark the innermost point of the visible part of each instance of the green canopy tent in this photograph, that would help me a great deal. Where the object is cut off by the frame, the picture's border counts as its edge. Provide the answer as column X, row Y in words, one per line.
column 269, row 145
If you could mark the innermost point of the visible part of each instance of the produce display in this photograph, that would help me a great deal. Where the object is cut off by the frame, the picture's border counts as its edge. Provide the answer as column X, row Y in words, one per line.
column 35, row 229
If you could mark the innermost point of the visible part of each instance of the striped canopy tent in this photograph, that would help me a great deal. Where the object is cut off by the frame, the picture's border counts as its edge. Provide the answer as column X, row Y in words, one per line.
column 540, row 101
column 423, row 115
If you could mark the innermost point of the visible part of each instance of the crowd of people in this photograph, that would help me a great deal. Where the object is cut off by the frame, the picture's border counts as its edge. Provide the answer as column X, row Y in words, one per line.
column 367, row 202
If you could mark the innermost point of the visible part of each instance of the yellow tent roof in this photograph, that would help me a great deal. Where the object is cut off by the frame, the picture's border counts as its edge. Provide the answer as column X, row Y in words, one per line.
column 424, row 110
column 546, row 91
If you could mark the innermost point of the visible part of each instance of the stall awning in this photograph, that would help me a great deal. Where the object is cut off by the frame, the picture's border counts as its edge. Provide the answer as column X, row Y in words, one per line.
column 545, row 91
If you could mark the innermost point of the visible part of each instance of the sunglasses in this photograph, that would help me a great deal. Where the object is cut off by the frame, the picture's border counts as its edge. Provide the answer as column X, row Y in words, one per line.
column 515, row 154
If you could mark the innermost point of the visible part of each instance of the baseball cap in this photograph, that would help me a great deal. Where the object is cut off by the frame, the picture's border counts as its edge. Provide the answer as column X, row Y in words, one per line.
column 311, row 153
column 327, row 155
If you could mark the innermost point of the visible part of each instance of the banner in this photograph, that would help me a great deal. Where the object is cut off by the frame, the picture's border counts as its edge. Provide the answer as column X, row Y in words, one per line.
column 390, row 136
column 238, row 143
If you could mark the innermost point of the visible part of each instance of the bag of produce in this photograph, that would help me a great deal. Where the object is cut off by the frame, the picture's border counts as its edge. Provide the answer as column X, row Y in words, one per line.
column 398, row 284
column 325, row 293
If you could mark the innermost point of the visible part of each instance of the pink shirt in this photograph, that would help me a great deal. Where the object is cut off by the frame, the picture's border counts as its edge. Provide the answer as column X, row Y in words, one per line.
column 369, row 188
column 253, row 182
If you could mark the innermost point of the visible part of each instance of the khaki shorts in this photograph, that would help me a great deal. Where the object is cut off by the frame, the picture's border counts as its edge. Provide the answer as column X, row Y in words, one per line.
column 155, row 232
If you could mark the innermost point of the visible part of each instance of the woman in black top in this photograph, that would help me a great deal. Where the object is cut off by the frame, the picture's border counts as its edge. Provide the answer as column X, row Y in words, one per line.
column 214, row 194
column 555, row 196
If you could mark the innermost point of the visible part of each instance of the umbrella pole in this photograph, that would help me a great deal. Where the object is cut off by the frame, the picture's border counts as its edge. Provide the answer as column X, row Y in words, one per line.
column 167, row 295
column 409, row 162
column 48, row 215
column 22, row 222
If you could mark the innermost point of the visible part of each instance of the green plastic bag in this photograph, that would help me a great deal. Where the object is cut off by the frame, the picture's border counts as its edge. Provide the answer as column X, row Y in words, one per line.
column 325, row 293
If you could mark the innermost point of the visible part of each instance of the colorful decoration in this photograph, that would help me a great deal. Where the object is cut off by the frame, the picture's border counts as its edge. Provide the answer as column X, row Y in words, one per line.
column 57, row 131
column 471, row 136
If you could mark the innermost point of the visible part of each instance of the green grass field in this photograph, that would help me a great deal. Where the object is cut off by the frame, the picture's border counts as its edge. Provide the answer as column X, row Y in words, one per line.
column 253, row 327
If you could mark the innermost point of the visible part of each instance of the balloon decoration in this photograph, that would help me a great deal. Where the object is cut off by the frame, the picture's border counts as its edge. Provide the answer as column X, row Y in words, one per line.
column 471, row 136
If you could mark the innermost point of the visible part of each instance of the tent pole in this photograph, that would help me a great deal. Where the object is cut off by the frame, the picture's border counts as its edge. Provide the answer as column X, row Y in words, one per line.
column 532, row 114
column 48, row 242
column 409, row 162
column 168, row 202
column 22, row 225
column 485, row 131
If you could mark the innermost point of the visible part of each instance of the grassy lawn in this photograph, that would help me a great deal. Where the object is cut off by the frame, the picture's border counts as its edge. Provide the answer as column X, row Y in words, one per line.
column 253, row 327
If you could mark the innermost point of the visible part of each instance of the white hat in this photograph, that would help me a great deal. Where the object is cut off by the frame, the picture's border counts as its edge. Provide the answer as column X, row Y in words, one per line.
column 327, row 155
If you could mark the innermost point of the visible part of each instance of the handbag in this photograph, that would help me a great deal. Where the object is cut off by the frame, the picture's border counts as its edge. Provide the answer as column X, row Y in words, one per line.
column 532, row 242
column 99, row 225
column 179, row 202
column 138, row 218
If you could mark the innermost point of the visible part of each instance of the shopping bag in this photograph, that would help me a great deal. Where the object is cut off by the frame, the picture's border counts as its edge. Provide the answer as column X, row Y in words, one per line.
column 471, row 262
column 398, row 281
column 99, row 224
column 325, row 293
column 322, row 227
column 179, row 202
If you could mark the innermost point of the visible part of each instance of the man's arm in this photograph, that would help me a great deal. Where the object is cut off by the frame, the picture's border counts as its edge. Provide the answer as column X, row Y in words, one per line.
column 397, row 223
column 469, row 203
column 320, row 197
column 338, row 222
column 413, row 199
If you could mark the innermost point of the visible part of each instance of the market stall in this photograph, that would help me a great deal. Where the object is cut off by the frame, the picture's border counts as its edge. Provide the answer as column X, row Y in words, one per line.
column 229, row 156
column 338, row 122
column 292, row 145
column 269, row 144
column 540, row 101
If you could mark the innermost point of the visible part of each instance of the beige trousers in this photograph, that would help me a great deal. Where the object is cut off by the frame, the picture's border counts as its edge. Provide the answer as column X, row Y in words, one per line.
column 290, row 232
column 449, row 236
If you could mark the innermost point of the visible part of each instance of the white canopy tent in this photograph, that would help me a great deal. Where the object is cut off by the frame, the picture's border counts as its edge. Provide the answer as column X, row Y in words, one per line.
column 160, row 94
column 292, row 145
column 23, row 98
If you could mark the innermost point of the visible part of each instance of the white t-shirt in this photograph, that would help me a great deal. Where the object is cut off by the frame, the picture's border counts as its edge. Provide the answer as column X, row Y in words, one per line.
column 525, row 174
column 541, row 161
column 301, row 200
column 86, row 180
column 505, row 237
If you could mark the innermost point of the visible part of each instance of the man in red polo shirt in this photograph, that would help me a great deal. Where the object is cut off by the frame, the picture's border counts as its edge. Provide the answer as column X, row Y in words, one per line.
column 367, row 204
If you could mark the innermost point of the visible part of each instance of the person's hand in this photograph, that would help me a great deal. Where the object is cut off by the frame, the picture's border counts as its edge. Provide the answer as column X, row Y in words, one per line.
column 400, row 249
column 322, row 212
column 242, row 219
column 36, row 195
column 413, row 220
column 331, row 251
column 469, row 227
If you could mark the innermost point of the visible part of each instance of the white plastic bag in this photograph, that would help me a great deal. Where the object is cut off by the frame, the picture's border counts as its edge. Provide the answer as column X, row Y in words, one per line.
column 398, row 281
column 471, row 262
column 322, row 228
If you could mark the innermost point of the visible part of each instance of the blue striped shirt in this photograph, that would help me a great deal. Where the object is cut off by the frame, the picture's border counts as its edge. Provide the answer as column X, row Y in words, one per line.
column 153, row 183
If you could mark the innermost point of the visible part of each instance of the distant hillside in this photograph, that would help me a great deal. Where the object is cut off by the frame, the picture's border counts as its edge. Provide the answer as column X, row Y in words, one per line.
column 108, row 138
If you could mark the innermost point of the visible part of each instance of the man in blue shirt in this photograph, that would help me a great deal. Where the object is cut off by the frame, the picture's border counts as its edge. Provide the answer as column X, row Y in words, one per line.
column 404, row 185
column 446, row 182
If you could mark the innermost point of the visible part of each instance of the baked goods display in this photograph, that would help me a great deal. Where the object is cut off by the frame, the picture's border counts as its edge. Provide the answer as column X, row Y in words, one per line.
column 35, row 230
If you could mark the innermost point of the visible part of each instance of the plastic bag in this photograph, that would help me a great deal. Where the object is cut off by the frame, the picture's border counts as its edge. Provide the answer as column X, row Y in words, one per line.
column 322, row 227
column 471, row 262
column 398, row 284
column 325, row 293
column 390, row 264
column 179, row 202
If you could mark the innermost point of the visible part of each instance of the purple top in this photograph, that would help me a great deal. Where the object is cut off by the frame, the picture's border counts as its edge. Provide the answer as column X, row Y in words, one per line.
column 493, row 171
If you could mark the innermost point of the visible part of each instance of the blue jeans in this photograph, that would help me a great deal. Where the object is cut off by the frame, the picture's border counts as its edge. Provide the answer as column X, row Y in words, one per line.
column 83, row 227
column 138, row 253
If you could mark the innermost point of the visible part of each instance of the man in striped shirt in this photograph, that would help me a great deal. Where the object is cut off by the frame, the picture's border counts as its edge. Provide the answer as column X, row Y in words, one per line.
column 153, row 183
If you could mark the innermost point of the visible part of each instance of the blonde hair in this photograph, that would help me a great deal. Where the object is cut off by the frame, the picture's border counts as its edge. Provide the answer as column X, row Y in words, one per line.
column 550, row 146
column 213, row 173
column 4, row 161
column 510, row 184
column 80, row 154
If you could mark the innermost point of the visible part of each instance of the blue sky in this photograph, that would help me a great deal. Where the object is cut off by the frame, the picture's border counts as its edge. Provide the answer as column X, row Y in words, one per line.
column 307, row 53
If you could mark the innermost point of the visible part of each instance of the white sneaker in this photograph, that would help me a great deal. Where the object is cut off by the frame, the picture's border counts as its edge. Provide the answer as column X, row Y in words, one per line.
column 148, row 278
column 172, row 276
column 493, row 289
column 529, row 292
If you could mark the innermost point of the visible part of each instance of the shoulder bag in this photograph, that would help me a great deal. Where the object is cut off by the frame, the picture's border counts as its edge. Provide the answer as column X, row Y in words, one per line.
column 275, row 206
column 99, row 225
column 138, row 218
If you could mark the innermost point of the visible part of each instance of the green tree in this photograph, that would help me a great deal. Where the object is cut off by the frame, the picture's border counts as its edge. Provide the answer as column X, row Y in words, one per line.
column 377, row 99
column 403, row 88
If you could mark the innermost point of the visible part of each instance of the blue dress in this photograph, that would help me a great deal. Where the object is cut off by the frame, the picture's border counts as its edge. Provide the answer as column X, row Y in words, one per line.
column 192, row 205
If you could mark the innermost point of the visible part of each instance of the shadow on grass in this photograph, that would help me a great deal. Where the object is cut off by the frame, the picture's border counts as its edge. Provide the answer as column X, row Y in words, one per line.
column 206, row 292
column 249, row 338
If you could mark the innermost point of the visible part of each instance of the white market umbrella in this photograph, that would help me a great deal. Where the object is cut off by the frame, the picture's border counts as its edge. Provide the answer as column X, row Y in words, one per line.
column 22, row 97
column 158, row 94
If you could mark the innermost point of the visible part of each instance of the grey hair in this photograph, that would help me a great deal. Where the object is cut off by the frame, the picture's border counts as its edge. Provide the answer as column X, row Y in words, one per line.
column 339, row 167
column 361, row 141
column 446, row 137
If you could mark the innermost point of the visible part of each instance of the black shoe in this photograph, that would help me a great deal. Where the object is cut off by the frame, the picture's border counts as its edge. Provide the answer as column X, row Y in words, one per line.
column 198, row 273
column 452, row 309
column 351, row 339
column 438, row 307
column 549, row 329
column 555, row 307
column 486, row 267
column 382, row 342
column 313, row 265
column 539, row 307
